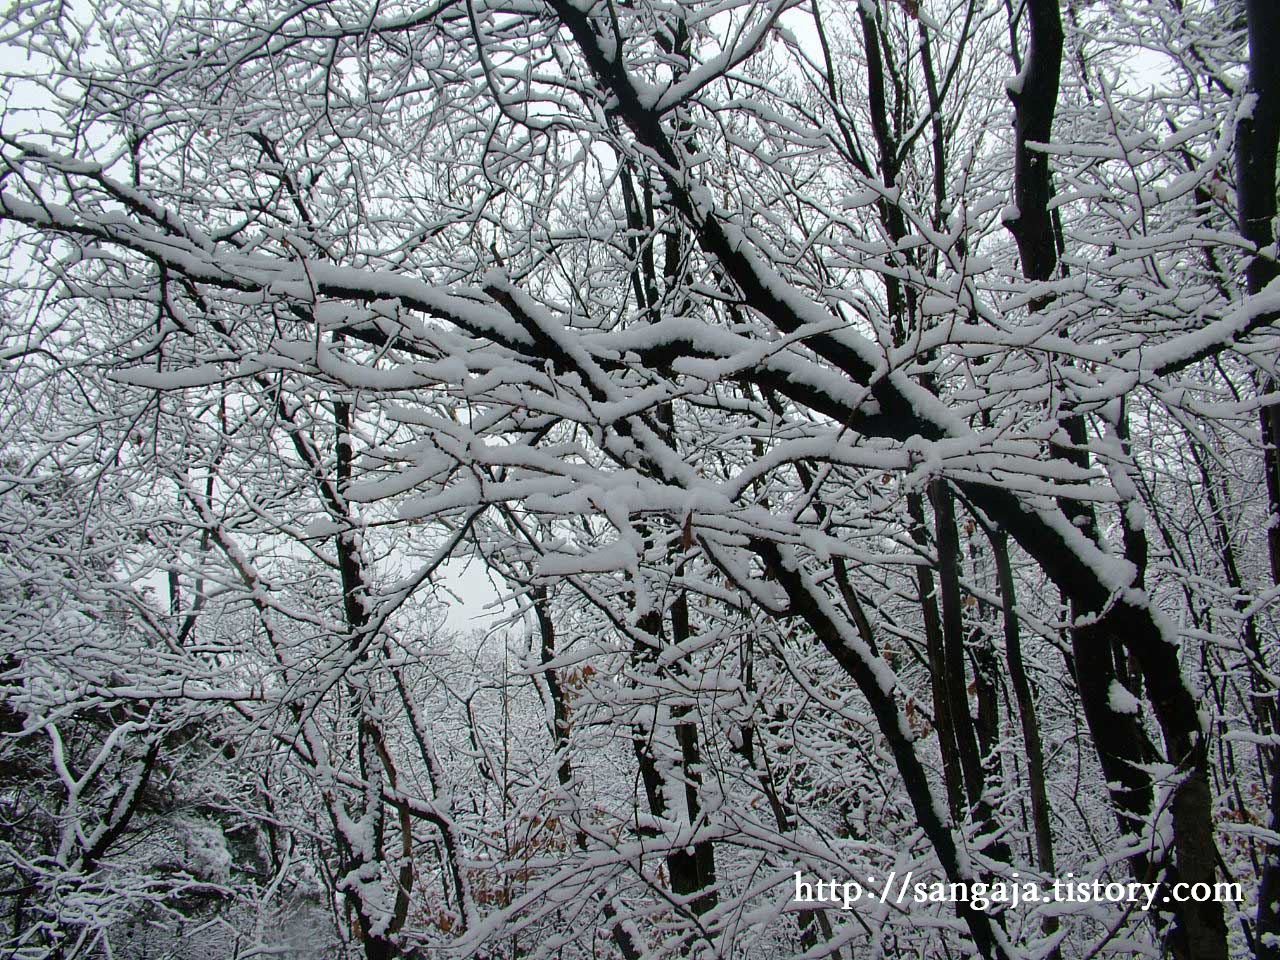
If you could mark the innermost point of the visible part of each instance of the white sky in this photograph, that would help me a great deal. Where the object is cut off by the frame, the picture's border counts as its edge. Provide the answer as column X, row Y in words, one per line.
column 475, row 591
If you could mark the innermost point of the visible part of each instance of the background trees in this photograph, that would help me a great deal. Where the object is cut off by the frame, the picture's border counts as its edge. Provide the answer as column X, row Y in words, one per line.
column 860, row 404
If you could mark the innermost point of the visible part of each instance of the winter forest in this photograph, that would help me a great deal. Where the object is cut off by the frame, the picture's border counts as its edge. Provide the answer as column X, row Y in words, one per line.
column 861, row 416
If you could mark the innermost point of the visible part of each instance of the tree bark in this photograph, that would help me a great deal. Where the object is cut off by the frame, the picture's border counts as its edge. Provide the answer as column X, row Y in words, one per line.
column 1041, row 827
column 1035, row 100
column 957, row 695
column 951, row 775
column 1257, row 138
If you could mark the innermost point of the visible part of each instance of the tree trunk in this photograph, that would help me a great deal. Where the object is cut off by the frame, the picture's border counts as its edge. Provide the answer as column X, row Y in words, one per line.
column 950, row 753
column 1026, row 715
column 957, row 693
column 1257, row 137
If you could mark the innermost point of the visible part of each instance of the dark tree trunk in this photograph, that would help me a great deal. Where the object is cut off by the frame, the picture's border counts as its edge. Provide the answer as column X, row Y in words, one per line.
column 623, row 937
column 697, row 869
column 1035, row 102
column 371, row 751
column 1106, row 630
column 937, row 665
column 1041, row 827
column 1257, row 137
column 690, row 871
column 957, row 692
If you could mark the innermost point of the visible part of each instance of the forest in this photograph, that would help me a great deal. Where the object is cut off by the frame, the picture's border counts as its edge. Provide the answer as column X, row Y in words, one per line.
column 862, row 416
